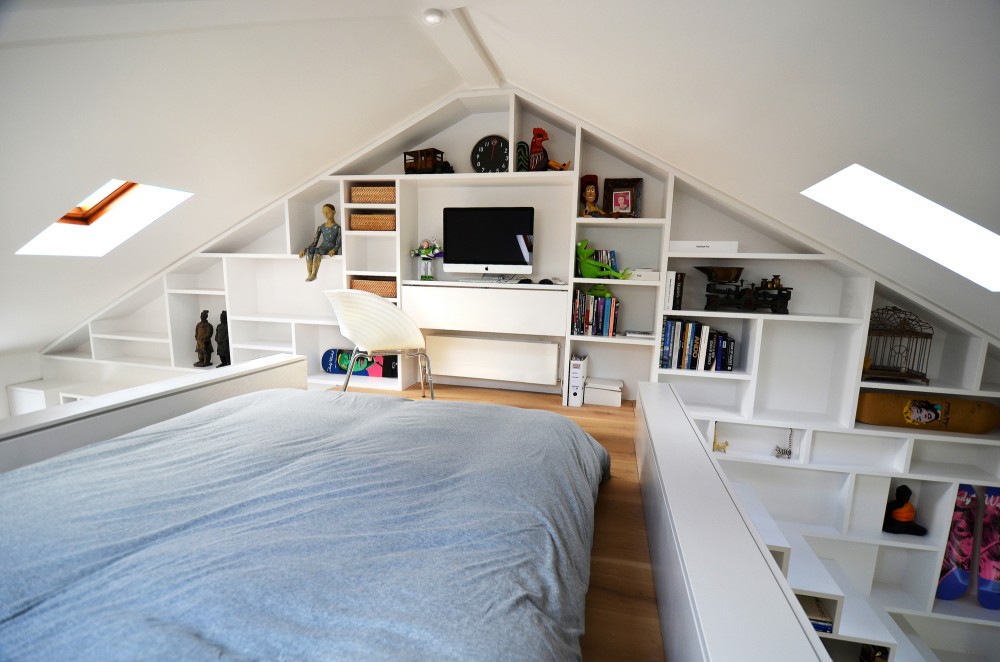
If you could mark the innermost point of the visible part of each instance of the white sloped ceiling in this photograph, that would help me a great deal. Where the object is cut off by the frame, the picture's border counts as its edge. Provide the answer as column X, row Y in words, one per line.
column 240, row 102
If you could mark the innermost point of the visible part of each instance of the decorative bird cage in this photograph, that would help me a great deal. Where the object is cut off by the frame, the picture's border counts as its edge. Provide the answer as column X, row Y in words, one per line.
column 899, row 345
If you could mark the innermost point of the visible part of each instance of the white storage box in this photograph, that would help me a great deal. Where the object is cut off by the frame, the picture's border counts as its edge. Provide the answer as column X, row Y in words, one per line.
column 606, row 392
column 645, row 274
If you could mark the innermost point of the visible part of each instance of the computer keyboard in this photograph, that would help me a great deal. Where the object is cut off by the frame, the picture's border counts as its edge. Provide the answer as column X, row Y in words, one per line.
column 486, row 279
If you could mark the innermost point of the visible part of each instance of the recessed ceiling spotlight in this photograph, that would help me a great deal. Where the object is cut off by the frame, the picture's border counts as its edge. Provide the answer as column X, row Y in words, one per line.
column 433, row 16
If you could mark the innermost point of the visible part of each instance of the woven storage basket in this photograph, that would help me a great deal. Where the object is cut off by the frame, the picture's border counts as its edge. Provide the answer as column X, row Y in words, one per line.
column 383, row 222
column 383, row 288
column 374, row 194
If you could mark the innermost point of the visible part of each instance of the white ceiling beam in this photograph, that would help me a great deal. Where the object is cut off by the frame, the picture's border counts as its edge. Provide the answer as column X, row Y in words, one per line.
column 459, row 41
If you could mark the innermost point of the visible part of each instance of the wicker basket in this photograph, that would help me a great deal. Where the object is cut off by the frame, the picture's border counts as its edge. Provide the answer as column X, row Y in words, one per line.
column 382, row 287
column 380, row 222
column 374, row 194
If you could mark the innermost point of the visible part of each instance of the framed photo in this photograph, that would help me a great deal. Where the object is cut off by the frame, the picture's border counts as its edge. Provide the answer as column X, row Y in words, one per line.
column 623, row 197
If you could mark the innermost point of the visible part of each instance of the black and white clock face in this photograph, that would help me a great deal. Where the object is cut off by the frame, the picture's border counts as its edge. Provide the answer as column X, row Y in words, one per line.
column 491, row 154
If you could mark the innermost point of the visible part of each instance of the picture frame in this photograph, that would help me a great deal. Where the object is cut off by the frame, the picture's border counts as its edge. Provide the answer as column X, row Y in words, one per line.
column 623, row 197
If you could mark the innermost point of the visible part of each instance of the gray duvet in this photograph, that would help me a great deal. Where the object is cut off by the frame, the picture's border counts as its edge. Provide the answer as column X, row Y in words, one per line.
column 291, row 525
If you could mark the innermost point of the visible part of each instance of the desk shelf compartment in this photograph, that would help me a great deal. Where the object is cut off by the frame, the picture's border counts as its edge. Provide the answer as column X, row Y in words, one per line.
column 134, row 351
column 305, row 211
column 371, row 252
column 745, row 332
column 820, row 288
column 197, row 273
column 635, row 244
column 801, row 495
column 758, row 442
column 608, row 158
column 275, row 288
column 868, row 452
column 801, row 374
column 951, row 459
column 957, row 355
column 261, row 336
column 185, row 313
column 613, row 360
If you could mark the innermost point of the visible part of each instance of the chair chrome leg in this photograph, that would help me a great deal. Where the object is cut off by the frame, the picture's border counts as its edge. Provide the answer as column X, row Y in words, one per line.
column 430, row 377
column 350, row 368
column 420, row 371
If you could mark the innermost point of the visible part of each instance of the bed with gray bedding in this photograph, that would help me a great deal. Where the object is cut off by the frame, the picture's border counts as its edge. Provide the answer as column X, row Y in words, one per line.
column 292, row 525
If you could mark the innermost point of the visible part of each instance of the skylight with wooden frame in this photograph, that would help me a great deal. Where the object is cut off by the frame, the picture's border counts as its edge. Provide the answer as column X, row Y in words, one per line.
column 105, row 219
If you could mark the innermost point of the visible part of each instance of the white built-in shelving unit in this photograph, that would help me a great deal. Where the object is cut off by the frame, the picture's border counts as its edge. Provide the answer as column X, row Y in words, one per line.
column 799, row 372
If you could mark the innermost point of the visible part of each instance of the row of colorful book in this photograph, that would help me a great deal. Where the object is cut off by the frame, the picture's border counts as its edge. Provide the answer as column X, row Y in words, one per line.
column 594, row 316
column 693, row 345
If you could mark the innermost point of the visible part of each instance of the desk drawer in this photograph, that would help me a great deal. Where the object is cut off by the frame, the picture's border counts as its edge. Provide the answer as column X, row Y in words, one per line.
column 487, row 310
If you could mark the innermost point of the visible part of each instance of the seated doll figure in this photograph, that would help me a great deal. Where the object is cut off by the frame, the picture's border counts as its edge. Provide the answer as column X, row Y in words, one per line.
column 900, row 514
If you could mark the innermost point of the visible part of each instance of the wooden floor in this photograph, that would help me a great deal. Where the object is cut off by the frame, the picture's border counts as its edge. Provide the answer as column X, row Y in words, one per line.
column 622, row 618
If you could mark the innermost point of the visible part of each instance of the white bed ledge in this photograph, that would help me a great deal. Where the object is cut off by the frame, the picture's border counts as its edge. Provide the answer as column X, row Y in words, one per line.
column 720, row 593
column 38, row 435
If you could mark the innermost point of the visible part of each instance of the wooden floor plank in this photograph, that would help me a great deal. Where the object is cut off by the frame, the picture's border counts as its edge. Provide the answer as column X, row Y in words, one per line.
column 622, row 617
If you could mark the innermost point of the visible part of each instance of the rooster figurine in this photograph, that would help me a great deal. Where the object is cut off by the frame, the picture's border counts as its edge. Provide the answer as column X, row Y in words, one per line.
column 538, row 157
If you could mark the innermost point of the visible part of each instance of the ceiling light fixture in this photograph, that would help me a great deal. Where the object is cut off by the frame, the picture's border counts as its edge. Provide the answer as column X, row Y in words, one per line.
column 912, row 220
column 104, row 220
column 433, row 16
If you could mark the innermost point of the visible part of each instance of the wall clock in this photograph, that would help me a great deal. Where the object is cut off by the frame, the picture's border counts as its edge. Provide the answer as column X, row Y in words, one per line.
column 491, row 154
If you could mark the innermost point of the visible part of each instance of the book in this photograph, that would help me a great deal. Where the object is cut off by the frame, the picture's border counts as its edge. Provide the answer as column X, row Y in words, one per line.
column 710, row 349
column 690, row 333
column 666, row 344
column 721, row 347
column 675, row 345
column 678, row 290
column 668, row 293
column 635, row 333
column 703, row 346
column 816, row 613
column 730, row 355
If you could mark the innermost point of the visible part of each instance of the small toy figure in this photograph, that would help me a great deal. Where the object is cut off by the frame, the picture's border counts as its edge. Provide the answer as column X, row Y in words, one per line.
column 588, row 198
column 784, row 453
column 203, row 341
column 719, row 447
column 591, row 268
column 222, row 339
column 427, row 251
column 900, row 514
column 327, row 241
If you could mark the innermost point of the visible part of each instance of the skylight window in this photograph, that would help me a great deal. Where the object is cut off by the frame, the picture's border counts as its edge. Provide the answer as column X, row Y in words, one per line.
column 105, row 219
column 912, row 220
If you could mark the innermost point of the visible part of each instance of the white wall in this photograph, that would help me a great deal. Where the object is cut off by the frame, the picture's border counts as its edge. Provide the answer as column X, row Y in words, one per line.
column 14, row 369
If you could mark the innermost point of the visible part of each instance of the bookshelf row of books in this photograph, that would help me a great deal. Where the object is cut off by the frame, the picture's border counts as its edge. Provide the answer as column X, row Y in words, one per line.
column 594, row 316
column 693, row 345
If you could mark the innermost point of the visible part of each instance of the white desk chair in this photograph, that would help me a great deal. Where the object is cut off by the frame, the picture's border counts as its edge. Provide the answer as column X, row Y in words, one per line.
column 376, row 326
